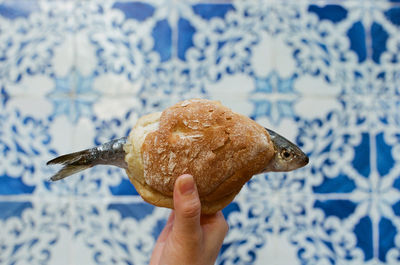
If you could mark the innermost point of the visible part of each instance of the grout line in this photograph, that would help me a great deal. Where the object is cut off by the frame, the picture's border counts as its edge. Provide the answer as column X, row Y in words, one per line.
column 368, row 34
column 72, row 199
column 337, row 2
column 328, row 2
column 74, row 82
column 71, row 215
column 11, row 198
column 374, row 180
column 333, row 196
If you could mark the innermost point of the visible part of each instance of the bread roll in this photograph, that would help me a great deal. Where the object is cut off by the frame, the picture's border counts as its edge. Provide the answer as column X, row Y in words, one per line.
column 221, row 149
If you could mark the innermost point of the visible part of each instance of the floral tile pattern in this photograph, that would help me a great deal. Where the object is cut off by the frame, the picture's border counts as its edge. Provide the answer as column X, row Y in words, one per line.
column 326, row 74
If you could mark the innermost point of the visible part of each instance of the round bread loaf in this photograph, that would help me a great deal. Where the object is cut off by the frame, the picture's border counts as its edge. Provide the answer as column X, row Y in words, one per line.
column 221, row 149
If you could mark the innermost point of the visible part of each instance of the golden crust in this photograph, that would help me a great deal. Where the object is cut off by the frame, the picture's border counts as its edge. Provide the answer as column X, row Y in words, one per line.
column 154, row 197
column 220, row 148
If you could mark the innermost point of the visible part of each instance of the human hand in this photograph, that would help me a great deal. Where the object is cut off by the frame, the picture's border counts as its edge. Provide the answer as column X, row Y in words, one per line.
column 189, row 238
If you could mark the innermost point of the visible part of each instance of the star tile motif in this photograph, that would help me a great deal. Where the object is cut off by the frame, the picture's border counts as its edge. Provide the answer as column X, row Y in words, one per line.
column 74, row 74
column 273, row 97
column 73, row 96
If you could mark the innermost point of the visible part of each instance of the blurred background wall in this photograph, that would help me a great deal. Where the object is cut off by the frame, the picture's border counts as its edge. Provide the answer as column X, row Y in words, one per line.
column 326, row 74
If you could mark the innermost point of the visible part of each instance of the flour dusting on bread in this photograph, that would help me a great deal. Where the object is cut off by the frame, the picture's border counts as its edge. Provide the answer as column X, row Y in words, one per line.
column 220, row 148
column 207, row 140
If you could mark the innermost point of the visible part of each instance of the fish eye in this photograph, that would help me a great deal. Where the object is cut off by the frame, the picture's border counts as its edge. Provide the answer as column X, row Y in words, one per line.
column 286, row 154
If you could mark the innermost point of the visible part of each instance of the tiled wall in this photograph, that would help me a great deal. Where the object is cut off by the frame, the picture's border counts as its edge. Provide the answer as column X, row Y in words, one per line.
column 326, row 74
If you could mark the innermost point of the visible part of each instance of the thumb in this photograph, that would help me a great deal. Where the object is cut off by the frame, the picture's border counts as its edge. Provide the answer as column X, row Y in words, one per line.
column 187, row 207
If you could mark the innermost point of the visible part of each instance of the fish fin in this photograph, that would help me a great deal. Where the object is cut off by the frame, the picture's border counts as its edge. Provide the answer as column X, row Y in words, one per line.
column 68, row 170
column 73, row 163
column 110, row 153
column 68, row 158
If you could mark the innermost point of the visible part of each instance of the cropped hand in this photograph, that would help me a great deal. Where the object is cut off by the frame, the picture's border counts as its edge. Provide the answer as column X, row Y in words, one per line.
column 189, row 238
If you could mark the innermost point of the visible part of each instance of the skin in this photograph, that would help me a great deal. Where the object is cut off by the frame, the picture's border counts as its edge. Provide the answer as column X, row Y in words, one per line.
column 189, row 238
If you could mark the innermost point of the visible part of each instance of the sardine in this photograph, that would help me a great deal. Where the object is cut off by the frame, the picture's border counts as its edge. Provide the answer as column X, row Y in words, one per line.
column 110, row 153
column 287, row 157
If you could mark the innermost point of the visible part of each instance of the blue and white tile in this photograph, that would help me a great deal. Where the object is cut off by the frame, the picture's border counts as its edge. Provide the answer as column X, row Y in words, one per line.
column 25, row 143
column 122, row 43
column 31, row 231
column 220, row 41
column 353, row 177
column 116, row 232
column 324, row 74
column 268, row 209
column 231, row 90
column 318, row 97
column 31, row 34
column 119, row 96
column 272, row 53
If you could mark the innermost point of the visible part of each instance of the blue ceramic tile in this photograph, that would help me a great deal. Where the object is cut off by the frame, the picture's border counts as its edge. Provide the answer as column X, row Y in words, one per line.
column 339, row 184
column 18, row 9
column 135, row 10
column 13, row 209
column 12, row 186
column 396, row 208
column 393, row 14
column 276, row 110
column 124, row 188
column 162, row 34
column 334, row 13
column 357, row 39
column 24, row 143
column 185, row 37
column 362, row 155
column 73, row 96
column 75, row 74
column 384, row 160
column 363, row 232
column 231, row 208
column 340, row 208
column 396, row 183
column 137, row 211
column 387, row 233
column 158, row 228
column 379, row 41
column 209, row 11
column 4, row 96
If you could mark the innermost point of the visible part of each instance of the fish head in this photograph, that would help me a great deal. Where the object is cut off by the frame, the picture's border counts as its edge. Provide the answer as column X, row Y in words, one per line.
column 287, row 157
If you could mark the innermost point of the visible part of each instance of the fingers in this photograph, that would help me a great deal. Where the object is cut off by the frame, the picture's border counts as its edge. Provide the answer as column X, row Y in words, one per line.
column 218, row 225
column 159, row 246
column 167, row 228
column 215, row 230
column 187, row 209
column 188, row 236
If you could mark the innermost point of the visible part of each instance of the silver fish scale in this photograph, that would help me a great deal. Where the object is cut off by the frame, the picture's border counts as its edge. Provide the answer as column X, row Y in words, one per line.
column 110, row 153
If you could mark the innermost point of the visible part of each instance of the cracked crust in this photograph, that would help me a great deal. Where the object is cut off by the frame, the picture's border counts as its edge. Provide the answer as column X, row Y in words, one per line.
column 220, row 148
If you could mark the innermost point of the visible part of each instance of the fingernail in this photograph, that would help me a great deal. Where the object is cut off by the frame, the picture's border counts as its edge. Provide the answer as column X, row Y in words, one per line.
column 186, row 184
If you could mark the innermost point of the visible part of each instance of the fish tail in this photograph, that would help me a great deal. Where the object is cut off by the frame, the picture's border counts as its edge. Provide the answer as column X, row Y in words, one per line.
column 110, row 153
column 72, row 164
